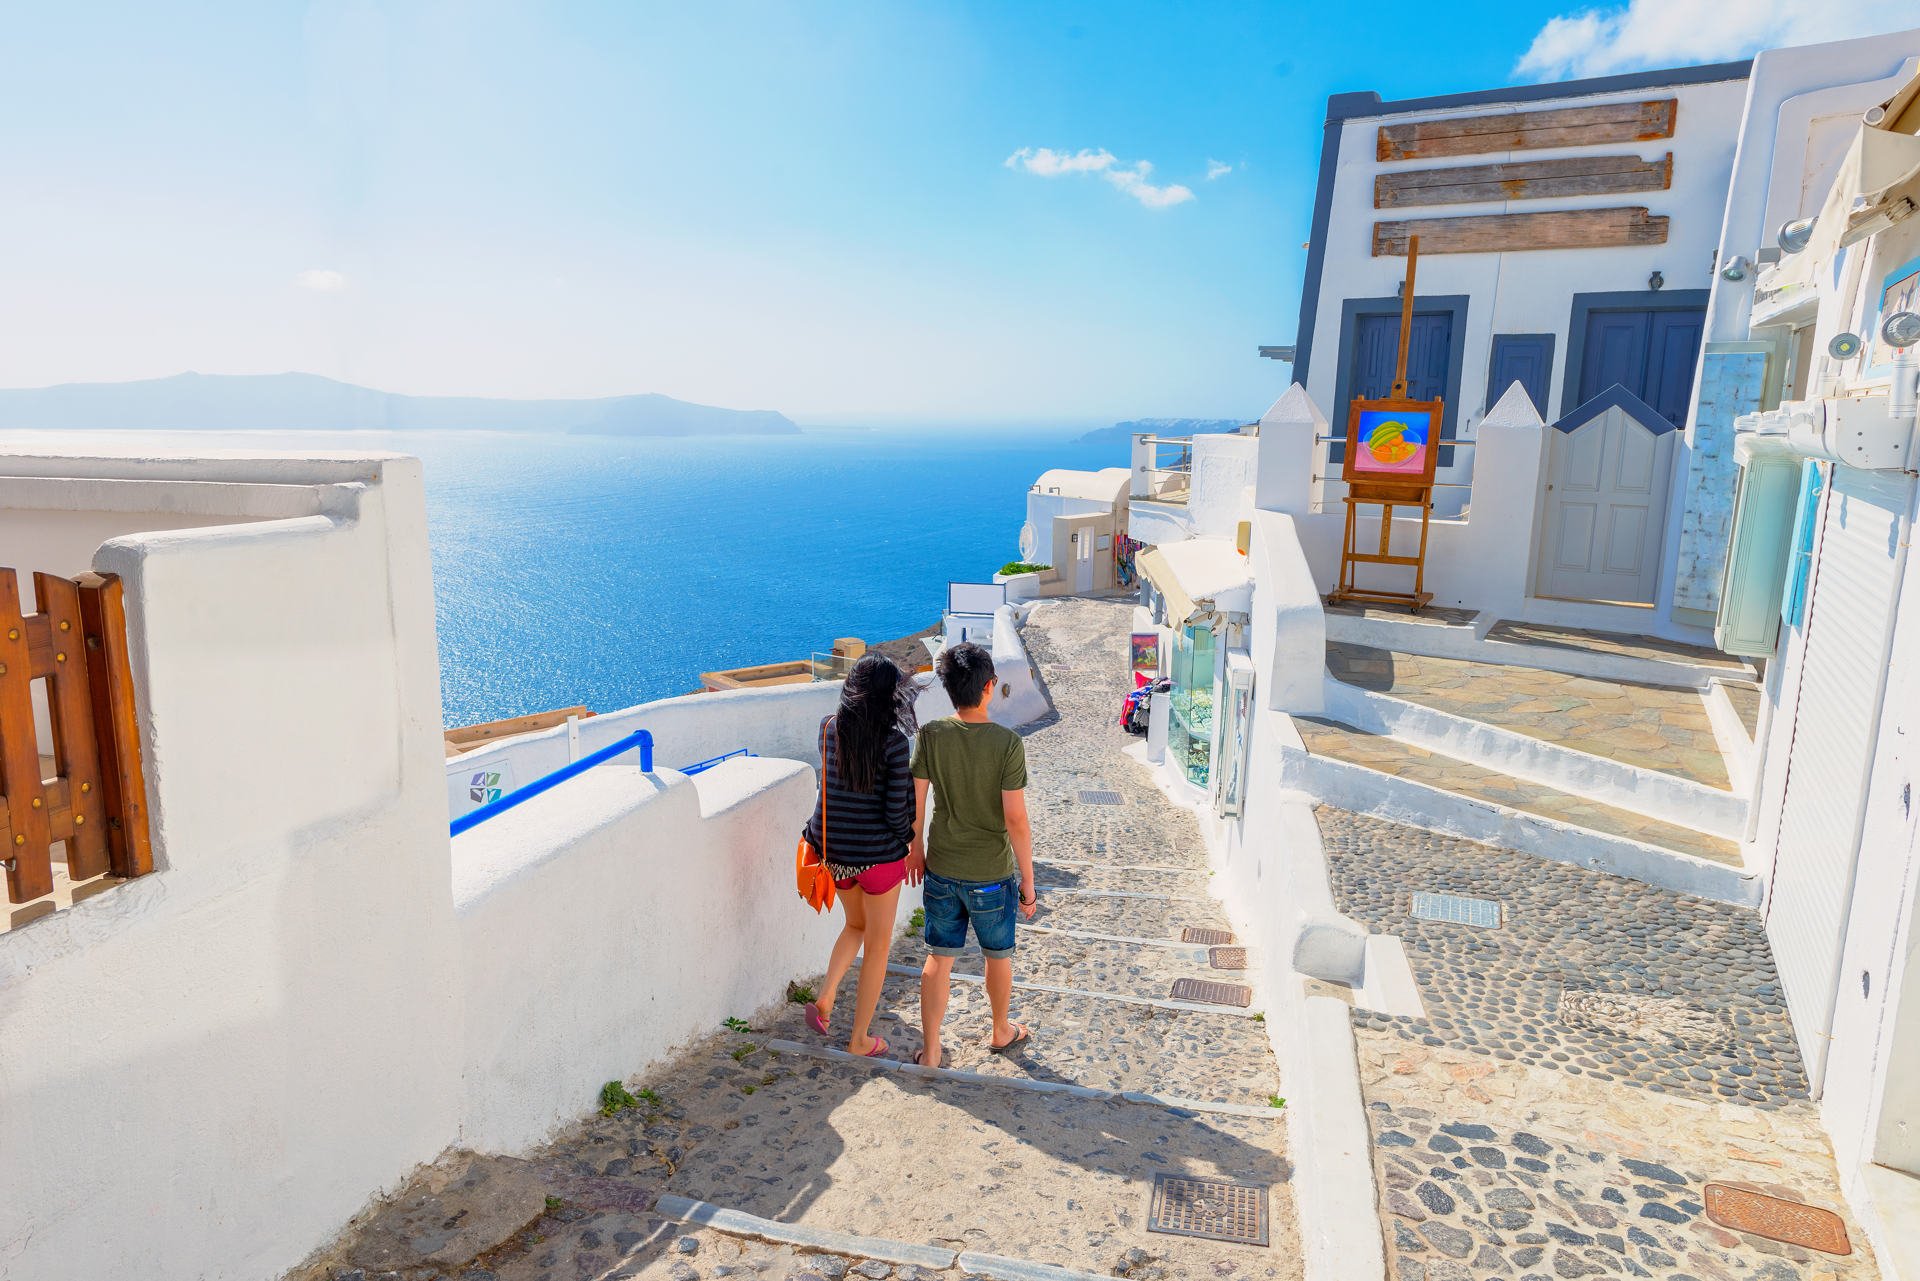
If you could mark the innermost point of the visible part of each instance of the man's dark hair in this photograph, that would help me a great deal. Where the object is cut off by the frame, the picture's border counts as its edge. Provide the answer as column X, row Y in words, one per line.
column 966, row 673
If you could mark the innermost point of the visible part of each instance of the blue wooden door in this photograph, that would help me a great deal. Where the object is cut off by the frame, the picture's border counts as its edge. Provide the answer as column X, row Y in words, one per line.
column 1429, row 357
column 1526, row 359
column 1650, row 353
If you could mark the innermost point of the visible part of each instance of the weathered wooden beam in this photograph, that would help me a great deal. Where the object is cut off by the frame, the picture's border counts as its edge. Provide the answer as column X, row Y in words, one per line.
column 1529, row 130
column 1523, row 180
column 1508, row 233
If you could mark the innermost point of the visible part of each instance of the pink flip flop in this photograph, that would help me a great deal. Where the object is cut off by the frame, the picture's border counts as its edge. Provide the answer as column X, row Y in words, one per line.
column 879, row 1050
column 814, row 1020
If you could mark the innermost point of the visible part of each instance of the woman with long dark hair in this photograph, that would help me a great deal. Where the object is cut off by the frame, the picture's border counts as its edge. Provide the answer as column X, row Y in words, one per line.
column 863, row 834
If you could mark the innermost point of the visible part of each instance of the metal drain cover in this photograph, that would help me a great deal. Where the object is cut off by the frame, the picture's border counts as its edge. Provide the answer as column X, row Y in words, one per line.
column 1456, row 909
column 1193, row 934
column 1227, row 958
column 1215, row 1209
column 1208, row 992
column 1791, row 1222
column 1101, row 798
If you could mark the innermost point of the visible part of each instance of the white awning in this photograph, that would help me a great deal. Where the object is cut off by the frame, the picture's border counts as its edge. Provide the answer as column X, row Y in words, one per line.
column 1199, row 573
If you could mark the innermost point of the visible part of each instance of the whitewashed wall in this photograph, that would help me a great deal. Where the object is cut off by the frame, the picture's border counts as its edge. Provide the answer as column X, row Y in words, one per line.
column 235, row 1052
column 603, row 925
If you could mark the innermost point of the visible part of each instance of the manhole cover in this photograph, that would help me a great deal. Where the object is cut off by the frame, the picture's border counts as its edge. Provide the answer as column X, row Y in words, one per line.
column 1661, row 1020
column 1212, row 1208
column 1227, row 958
column 1193, row 934
column 1208, row 992
column 1456, row 909
column 1791, row 1222
column 1101, row 798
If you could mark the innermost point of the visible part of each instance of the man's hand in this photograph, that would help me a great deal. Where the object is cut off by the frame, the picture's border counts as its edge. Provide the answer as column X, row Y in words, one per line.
column 916, row 862
column 1029, row 902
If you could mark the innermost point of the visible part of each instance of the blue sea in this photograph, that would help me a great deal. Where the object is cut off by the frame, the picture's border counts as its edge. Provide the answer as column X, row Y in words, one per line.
column 608, row 571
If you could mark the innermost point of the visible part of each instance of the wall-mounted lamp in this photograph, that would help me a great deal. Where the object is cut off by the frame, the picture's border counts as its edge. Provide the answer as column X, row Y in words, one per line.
column 1656, row 281
column 1736, row 268
column 1901, row 329
column 1796, row 235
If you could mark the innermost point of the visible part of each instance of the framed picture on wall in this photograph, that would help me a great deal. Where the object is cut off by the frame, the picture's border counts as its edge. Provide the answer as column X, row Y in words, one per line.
column 1146, row 653
column 1392, row 443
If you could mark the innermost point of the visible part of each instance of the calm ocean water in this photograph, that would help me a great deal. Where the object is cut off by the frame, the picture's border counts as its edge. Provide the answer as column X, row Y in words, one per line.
column 608, row 572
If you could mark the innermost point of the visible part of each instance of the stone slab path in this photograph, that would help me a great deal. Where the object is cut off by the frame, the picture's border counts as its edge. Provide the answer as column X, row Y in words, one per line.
column 1580, row 638
column 818, row 1142
column 1584, row 1068
column 1405, row 760
column 1653, row 727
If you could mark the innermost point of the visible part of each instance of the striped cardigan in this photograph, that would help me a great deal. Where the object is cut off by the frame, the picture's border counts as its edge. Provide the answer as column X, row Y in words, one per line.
column 865, row 829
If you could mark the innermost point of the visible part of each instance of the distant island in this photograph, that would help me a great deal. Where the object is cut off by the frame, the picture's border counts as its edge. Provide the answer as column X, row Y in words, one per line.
column 1121, row 433
column 308, row 402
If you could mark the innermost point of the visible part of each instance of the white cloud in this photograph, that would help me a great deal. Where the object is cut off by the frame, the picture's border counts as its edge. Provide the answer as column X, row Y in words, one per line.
column 1668, row 33
column 1218, row 169
column 1131, row 178
column 321, row 280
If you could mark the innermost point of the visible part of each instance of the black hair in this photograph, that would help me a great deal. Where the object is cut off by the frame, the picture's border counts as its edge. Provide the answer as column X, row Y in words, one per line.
column 867, row 716
column 966, row 672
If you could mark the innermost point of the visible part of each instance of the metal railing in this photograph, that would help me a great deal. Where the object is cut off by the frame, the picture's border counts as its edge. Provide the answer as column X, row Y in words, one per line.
column 702, row 766
column 640, row 739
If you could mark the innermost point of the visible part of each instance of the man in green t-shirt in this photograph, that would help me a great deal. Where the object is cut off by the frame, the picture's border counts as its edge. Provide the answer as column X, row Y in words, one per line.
column 977, row 860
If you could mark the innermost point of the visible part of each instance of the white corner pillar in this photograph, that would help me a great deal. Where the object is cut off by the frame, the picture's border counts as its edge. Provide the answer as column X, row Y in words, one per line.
column 1289, row 444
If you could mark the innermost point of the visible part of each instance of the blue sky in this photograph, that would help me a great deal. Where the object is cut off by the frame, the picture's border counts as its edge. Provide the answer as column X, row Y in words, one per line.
column 851, row 212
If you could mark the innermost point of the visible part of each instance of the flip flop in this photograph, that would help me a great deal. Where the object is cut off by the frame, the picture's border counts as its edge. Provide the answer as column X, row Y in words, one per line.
column 921, row 1058
column 879, row 1050
column 814, row 1020
column 1024, row 1036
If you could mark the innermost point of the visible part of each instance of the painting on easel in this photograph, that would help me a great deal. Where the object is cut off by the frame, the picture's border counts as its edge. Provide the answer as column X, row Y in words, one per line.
column 1392, row 442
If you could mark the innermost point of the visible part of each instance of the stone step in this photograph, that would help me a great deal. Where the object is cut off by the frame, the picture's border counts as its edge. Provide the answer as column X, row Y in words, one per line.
column 1575, row 651
column 1371, row 774
column 1063, row 960
column 1661, row 752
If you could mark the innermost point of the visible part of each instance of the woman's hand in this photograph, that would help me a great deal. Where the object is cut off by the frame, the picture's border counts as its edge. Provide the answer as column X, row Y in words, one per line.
column 916, row 862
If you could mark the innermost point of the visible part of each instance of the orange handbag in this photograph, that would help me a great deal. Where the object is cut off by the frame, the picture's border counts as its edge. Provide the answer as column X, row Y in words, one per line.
column 810, row 873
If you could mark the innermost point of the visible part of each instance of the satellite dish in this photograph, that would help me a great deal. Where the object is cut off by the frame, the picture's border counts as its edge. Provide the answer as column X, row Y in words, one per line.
column 1029, row 543
column 1901, row 329
column 1844, row 346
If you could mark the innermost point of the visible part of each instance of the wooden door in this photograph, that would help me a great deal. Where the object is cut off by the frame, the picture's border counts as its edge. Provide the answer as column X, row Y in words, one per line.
column 1651, row 353
column 1429, row 357
column 1526, row 359
column 1607, row 483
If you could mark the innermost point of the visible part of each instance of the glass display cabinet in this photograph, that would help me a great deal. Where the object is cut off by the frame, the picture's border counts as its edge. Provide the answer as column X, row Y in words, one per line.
column 1190, row 727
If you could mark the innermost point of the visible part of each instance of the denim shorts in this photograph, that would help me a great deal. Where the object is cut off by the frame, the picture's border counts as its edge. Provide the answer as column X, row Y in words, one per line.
column 990, row 905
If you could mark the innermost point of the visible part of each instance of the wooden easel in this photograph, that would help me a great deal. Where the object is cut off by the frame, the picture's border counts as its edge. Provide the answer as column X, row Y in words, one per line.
column 1388, row 494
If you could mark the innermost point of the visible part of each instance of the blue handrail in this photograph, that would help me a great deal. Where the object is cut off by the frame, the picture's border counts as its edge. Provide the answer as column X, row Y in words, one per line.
column 640, row 739
column 724, row 756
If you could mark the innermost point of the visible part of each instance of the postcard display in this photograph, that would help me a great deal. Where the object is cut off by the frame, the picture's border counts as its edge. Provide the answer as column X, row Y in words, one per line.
column 1393, row 446
column 1190, row 727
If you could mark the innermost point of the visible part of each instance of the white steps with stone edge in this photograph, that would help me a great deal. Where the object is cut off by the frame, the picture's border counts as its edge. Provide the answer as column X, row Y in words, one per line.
column 1471, row 641
column 1655, row 793
column 1383, row 776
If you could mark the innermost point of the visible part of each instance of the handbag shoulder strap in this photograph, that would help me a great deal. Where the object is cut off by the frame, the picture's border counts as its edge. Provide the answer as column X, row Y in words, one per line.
column 823, row 779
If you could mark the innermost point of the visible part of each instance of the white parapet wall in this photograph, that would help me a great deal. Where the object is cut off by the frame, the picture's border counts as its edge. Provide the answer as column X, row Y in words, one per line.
column 606, row 922
column 205, row 1071
column 782, row 721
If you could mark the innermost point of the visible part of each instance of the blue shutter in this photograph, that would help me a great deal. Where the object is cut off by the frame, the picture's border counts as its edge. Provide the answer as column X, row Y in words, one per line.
column 1616, row 352
column 1805, row 524
column 1673, row 354
column 1526, row 359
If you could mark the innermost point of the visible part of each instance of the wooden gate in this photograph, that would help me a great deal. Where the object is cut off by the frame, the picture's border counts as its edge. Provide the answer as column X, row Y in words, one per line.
column 83, row 788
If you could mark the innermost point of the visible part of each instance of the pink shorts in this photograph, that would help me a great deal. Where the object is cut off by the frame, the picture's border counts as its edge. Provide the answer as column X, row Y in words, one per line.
column 876, row 880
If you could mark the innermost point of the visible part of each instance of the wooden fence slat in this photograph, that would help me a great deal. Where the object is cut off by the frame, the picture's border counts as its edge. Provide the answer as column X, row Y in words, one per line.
column 76, row 748
column 110, row 672
column 1507, row 233
column 1522, row 180
column 1529, row 130
column 29, row 868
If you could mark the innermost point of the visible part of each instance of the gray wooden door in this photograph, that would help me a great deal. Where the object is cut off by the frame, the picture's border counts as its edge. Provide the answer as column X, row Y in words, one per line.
column 1608, row 473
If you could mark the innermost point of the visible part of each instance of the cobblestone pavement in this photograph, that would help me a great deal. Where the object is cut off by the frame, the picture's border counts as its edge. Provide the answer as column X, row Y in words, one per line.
column 1405, row 760
column 1650, row 726
column 1582, row 1071
column 803, row 1138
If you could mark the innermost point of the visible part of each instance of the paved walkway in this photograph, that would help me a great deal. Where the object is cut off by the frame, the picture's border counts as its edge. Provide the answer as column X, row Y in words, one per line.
column 771, row 1122
column 1650, row 726
column 1585, row 1066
